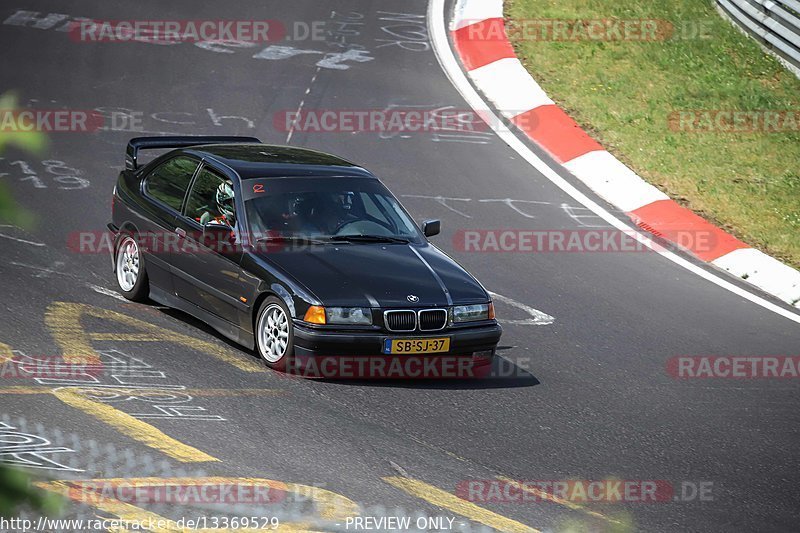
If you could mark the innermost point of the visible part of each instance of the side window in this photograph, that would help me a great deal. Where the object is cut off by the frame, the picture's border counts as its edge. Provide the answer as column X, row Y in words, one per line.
column 211, row 200
column 169, row 181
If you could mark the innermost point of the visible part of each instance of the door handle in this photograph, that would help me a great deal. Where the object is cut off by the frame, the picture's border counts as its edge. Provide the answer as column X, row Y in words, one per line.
column 181, row 232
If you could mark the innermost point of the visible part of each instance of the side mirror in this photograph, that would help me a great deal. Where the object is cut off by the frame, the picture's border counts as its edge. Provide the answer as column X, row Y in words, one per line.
column 431, row 227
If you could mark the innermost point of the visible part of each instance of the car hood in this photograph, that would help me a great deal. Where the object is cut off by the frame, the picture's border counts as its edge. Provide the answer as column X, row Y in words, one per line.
column 379, row 275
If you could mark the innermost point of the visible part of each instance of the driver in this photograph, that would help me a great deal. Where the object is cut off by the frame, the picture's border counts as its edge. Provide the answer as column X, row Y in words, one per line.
column 224, row 200
column 341, row 210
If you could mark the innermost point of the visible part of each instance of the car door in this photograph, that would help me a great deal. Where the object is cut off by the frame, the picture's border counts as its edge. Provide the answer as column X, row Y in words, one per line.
column 206, row 273
column 163, row 190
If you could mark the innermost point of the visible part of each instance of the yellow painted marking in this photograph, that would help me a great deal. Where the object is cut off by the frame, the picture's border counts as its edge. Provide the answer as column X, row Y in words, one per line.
column 453, row 503
column 64, row 321
column 132, row 427
column 124, row 337
column 6, row 355
column 25, row 390
column 555, row 499
column 330, row 506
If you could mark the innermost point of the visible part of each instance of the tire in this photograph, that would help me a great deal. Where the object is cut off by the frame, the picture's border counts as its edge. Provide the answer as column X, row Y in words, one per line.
column 130, row 270
column 274, row 334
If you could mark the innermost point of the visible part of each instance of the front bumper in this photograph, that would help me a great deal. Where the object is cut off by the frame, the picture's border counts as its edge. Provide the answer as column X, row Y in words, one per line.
column 463, row 341
column 347, row 355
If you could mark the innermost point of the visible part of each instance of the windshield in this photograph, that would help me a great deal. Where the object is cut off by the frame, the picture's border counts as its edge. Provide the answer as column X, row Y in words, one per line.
column 326, row 208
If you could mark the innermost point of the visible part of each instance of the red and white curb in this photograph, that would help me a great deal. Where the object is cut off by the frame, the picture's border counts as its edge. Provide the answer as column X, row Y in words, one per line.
column 478, row 34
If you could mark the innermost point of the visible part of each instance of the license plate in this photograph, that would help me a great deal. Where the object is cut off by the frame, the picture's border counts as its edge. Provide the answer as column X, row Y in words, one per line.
column 411, row 346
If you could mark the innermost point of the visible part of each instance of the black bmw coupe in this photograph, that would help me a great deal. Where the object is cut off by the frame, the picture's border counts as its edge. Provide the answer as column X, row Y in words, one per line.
column 291, row 252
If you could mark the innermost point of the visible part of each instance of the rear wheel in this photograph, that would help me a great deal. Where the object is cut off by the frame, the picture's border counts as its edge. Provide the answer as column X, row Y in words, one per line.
column 130, row 270
column 274, row 334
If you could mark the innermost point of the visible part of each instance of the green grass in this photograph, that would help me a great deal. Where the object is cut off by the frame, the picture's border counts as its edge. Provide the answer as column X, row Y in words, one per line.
column 624, row 92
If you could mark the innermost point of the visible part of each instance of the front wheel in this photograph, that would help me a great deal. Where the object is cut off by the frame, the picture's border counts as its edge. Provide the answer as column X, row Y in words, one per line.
column 274, row 334
column 130, row 270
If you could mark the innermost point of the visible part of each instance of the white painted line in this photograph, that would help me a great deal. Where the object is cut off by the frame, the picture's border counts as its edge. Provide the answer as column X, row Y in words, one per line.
column 451, row 67
column 107, row 292
column 42, row 271
column 537, row 317
column 509, row 87
column 23, row 241
column 613, row 181
column 442, row 200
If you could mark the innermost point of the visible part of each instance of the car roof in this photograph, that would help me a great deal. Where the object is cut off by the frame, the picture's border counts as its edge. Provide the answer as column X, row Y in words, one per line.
column 251, row 160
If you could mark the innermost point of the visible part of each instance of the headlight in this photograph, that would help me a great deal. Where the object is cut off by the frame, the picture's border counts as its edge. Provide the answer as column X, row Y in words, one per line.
column 349, row 315
column 473, row 313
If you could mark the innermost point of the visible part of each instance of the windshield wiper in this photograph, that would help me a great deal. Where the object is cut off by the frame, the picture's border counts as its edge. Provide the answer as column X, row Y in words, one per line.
column 370, row 238
column 295, row 239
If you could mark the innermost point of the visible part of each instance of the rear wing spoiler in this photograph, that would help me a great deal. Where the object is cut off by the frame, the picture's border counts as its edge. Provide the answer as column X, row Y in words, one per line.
column 152, row 143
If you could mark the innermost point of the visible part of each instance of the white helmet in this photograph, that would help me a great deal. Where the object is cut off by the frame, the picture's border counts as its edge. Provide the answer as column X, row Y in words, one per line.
column 225, row 203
